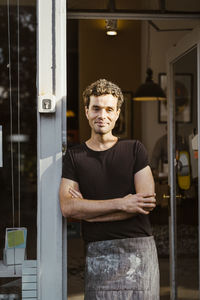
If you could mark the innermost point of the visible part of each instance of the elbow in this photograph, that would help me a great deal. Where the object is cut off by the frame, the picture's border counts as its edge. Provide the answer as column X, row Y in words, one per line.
column 66, row 213
column 65, row 209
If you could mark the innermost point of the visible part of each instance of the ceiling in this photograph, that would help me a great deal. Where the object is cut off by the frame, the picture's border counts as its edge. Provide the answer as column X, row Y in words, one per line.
column 182, row 14
column 126, row 8
column 137, row 6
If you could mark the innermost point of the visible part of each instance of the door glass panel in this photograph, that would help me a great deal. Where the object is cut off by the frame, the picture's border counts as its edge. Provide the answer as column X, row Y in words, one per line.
column 185, row 108
column 18, row 126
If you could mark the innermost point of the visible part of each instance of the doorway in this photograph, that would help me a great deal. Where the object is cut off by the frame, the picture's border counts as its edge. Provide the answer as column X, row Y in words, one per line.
column 141, row 112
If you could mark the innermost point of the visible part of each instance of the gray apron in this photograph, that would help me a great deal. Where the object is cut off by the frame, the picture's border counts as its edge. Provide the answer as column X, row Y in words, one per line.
column 122, row 269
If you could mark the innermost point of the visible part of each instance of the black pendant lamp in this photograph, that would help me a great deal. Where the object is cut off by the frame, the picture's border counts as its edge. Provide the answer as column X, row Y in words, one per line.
column 149, row 91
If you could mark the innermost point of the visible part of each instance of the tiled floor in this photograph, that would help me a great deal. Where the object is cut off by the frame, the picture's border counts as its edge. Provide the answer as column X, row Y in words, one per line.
column 187, row 274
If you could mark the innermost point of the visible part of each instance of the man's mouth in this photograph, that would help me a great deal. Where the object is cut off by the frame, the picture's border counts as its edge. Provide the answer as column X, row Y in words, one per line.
column 100, row 124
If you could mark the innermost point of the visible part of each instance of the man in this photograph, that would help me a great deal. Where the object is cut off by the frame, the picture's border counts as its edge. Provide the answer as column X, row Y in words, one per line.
column 107, row 183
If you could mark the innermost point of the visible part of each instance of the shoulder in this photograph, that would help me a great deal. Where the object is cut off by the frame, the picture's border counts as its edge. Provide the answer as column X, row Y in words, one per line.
column 73, row 153
column 75, row 149
column 70, row 161
column 136, row 150
column 134, row 144
column 132, row 147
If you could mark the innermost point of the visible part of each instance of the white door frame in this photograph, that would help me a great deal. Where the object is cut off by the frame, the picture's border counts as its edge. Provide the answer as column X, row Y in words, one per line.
column 185, row 45
column 51, row 80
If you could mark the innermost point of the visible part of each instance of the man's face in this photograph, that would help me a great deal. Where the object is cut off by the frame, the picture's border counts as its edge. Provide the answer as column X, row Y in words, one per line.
column 102, row 113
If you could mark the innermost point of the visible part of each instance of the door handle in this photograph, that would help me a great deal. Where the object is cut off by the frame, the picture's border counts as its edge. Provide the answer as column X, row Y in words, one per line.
column 177, row 196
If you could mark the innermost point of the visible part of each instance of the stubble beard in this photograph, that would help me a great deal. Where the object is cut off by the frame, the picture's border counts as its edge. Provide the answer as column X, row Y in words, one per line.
column 102, row 131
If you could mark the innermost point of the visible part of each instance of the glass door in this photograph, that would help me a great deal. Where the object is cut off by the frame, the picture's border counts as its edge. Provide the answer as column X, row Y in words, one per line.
column 18, row 142
column 183, row 116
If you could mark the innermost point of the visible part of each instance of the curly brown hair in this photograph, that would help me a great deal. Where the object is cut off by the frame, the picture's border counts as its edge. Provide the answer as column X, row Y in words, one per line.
column 103, row 87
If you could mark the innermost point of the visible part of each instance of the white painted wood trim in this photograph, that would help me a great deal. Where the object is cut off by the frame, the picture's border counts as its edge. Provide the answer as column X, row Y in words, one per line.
column 51, row 79
column 185, row 44
column 10, row 271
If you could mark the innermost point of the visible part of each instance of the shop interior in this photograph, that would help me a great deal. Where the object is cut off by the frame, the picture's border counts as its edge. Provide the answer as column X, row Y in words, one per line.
column 93, row 55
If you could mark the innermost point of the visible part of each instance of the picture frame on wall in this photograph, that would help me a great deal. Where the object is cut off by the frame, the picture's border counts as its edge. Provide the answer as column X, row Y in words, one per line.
column 123, row 127
column 183, row 96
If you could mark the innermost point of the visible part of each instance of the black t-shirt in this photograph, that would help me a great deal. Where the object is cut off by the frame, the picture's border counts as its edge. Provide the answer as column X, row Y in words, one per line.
column 105, row 175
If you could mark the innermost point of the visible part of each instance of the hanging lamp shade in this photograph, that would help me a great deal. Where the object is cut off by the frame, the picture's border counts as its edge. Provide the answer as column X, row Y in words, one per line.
column 111, row 27
column 149, row 91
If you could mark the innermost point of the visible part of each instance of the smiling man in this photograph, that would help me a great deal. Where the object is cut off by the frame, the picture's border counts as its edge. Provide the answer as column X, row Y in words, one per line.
column 107, row 183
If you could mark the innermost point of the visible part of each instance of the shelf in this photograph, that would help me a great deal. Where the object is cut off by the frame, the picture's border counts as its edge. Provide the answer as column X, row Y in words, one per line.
column 10, row 271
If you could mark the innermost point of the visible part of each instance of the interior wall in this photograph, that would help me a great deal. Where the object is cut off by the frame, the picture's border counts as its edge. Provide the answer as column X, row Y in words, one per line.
column 117, row 59
column 160, row 43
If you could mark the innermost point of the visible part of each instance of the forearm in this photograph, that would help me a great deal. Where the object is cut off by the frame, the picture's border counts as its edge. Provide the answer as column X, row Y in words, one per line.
column 84, row 209
column 117, row 216
column 73, row 205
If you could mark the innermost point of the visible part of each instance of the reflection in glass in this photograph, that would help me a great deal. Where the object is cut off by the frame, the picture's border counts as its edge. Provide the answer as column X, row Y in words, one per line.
column 13, row 212
column 186, row 178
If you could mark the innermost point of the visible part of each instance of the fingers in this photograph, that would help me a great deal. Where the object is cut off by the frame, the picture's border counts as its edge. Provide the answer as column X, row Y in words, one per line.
column 146, row 195
column 75, row 193
column 143, row 211
column 148, row 204
column 147, row 198
column 149, row 209
column 146, row 208
column 140, row 204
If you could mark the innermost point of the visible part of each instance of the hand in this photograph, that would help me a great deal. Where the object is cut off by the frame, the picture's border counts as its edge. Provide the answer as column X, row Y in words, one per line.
column 139, row 203
column 74, row 193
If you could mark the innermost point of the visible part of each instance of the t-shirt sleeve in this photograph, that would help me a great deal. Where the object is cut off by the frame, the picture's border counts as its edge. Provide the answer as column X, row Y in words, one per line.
column 68, row 170
column 141, row 157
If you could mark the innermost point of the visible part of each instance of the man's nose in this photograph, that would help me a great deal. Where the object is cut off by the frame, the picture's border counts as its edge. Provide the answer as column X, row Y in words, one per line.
column 102, row 113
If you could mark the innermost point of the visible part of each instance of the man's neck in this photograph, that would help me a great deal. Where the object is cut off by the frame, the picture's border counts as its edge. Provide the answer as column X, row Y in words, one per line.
column 101, row 142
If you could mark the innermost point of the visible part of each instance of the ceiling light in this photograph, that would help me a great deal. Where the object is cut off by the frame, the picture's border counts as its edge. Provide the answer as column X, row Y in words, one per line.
column 111, row 27
column 149, row 91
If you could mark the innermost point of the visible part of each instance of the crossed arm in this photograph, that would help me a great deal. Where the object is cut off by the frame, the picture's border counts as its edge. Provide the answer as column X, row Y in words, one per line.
column 73, row 205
